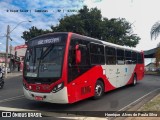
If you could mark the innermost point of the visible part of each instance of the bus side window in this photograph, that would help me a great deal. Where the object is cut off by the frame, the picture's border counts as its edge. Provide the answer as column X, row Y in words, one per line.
column 134, row 57
column 128, row 57
column 97, row 54
column 110, row 55
column 71, row 57
column 83, row 46
column 120, row 56
column 139, row 58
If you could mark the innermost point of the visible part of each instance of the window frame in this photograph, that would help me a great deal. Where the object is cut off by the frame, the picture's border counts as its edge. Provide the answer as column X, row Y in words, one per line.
column 113, row 55
column 102, row 55
column 118, row 56
column 129, row 58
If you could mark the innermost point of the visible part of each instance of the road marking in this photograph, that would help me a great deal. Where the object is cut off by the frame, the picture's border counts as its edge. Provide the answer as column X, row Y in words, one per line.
column 139, row 99
column 12, row 98
column 14, row 109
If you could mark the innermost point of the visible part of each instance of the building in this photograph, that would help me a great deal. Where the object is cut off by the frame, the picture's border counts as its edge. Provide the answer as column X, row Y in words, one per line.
column 15, row 57
column 151, row 67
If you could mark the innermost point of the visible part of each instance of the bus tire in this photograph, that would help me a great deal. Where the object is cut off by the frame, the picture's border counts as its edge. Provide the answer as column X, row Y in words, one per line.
column 134, row 80
column 99, row 90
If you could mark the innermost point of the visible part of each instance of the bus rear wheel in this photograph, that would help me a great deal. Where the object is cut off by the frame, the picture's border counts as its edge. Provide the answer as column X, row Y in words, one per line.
column 134, row 80
column 99, row 90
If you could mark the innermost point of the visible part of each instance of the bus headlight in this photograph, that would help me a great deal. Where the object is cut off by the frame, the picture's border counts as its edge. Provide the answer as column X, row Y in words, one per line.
column 58, row 87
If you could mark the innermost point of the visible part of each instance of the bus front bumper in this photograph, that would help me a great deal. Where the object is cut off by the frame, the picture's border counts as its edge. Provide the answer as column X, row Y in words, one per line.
column 59, row 97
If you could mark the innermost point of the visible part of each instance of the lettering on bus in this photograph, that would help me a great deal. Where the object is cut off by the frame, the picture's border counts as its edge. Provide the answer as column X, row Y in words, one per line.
column 45, row 41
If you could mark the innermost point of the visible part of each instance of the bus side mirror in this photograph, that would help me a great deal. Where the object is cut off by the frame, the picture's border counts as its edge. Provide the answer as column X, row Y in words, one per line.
column 78, row 54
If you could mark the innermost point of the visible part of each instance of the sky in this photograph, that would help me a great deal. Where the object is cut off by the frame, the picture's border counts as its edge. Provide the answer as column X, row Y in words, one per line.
column 142, row 14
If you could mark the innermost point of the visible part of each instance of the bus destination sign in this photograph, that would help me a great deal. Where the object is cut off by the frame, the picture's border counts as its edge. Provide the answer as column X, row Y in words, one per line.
column 45, row 41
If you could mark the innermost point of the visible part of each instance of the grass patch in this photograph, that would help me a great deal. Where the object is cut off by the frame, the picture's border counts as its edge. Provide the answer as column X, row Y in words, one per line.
column 153, row 73
column 153, row 105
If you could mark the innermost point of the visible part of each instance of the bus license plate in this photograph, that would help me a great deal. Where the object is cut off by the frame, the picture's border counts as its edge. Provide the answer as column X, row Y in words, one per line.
column 39, row 98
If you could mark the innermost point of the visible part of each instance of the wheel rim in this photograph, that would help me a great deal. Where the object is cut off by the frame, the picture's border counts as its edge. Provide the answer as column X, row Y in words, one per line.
column 135, row 80
column 98, row 90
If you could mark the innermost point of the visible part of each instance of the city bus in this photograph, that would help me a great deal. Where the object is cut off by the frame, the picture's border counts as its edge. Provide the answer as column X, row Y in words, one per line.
column 66, row 67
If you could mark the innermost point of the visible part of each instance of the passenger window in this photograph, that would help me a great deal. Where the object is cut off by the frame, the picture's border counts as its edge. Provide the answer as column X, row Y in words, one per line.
column 134, row 58
column 97, row 54
column 128, row 57
column 110, row 55
column 120, row 56
column 139, row 58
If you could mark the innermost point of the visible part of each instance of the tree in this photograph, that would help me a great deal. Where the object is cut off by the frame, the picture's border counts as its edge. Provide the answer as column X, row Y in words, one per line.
column 33, row 32
column 119, row 31
column 157, row 55
column 89, row 22
column 86, row 22
column 155, row 30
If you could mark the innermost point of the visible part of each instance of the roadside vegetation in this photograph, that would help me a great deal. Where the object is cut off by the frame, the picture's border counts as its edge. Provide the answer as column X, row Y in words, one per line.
column 90, row 22
column 153, row 105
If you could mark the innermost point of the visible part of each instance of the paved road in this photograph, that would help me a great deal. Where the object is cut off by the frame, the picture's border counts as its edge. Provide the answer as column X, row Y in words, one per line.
column 11, row 96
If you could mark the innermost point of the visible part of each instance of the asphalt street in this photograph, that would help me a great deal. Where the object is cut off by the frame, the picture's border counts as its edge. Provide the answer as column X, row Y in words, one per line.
column 11, row 96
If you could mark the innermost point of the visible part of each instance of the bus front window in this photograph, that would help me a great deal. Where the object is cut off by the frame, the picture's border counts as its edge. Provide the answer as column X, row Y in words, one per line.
column 44, row 62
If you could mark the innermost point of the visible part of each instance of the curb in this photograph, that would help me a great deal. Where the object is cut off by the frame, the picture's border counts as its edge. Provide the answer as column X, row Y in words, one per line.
column 153, row 74
column 134, row 106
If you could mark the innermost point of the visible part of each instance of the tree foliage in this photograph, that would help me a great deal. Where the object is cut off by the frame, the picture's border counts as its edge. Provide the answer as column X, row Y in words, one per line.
column 157, row 55
column 155, row 30
column 89, row 22
column 33, row 32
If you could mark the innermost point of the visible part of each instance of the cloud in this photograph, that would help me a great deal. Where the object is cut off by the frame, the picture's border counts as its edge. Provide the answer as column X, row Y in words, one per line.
column 41, row 20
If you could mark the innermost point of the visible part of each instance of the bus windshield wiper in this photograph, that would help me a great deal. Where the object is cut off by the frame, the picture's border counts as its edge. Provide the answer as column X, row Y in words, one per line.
column 46, row 52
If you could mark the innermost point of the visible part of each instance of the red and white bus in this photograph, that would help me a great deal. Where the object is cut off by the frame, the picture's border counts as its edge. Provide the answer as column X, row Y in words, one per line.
column 65, row 67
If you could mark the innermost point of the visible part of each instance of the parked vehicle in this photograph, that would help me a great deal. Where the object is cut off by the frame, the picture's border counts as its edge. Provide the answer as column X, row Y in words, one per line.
column 8, row 70
column 1, row 79
column 1, row 83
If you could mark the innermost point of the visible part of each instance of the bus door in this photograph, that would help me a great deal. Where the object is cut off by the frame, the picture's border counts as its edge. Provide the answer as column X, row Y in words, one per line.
column 78, row 68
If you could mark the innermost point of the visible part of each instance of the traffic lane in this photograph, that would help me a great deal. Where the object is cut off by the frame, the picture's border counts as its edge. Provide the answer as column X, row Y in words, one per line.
column 111, row 101
column 12, row 87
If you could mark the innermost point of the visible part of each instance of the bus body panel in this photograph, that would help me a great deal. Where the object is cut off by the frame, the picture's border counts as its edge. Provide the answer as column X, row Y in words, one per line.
column 83, row 86
column 118, row 75
column 59, row 97
column 139, row 71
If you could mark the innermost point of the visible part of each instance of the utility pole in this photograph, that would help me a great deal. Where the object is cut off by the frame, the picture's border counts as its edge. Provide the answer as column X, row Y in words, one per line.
column 10, row 52
column 6, row 56
column 7, row 40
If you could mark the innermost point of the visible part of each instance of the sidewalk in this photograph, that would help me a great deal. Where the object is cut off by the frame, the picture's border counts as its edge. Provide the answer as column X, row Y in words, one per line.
column 152, row 105
column 14, row 74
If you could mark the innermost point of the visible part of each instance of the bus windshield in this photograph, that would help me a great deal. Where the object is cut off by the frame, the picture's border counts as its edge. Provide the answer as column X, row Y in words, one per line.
column 44, row 61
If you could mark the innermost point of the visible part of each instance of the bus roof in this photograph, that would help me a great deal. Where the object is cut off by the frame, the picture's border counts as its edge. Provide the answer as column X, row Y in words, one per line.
column 106, row 43
column 89, row 38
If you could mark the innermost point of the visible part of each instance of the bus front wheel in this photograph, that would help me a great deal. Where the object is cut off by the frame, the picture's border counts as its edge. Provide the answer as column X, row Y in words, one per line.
column 99, row 90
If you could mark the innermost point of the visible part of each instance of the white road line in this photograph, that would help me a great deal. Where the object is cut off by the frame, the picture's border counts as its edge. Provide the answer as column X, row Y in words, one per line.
column 12, row 98
column 14, row 109
column 138, row 99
